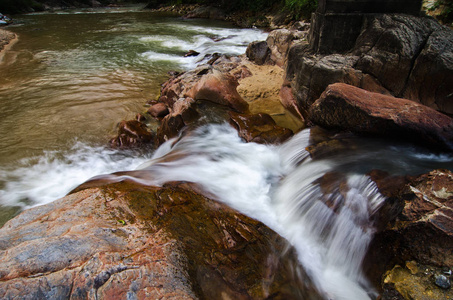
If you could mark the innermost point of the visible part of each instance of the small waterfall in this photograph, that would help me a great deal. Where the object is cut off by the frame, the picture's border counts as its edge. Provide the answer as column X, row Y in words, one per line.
column 323, row 212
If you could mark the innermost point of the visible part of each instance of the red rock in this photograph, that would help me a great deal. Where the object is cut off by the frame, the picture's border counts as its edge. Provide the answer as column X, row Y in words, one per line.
column 219, row 88
column 158, row 110
column 422, row 228
column 289, row 101
column 345, row 107
column 124, row 240
column 259, row 128
column 132, row 133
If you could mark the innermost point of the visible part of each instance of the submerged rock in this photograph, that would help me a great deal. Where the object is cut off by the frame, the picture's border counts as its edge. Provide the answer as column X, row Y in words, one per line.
column 346, row 107
column 124, row 240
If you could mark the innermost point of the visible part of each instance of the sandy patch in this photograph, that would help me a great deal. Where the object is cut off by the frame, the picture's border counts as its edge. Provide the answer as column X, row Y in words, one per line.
column 261, row 91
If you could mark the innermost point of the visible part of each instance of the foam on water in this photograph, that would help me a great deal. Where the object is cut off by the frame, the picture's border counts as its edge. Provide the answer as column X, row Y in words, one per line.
column 40, row 180
column 204, row 40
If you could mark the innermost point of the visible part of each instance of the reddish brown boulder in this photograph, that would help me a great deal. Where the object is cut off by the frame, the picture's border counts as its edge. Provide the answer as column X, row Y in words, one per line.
column 158, row 110
column 342, row 106
column 124, row 240
column 259, row 128
column 132, row 133
column 219, row 88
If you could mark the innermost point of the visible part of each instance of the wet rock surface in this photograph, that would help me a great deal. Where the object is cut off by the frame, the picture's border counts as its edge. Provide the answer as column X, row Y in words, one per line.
column 259, row 128
column 124, row 240
column 132, row 133
column 421, row 232
column 346, row 107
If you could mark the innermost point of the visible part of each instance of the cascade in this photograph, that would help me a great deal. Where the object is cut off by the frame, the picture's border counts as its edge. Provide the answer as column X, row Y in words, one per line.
column 327, row 222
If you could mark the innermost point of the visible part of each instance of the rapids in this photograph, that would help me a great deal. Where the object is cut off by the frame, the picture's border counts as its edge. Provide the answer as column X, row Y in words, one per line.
column 322, row 206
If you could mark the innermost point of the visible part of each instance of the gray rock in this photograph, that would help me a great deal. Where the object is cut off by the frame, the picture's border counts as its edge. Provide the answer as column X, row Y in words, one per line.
column 443, row 282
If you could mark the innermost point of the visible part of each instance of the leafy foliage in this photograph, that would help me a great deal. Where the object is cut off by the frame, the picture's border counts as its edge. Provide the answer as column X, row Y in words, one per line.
column 301, row 8
column 446, row 10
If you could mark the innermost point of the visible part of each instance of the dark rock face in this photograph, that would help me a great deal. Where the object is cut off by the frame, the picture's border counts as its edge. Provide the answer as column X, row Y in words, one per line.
column 419, row 237
column 401, row 55
column 128, row 241
column 258, row 52
column 132, row 133
column 259, row 128
column 346, row 107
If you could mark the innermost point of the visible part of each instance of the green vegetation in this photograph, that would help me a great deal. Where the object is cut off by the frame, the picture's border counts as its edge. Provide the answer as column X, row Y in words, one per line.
column 295, row 8
column 445, row 10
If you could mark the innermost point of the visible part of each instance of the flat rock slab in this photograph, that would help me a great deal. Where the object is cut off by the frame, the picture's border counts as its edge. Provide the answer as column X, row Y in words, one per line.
column 346, row 107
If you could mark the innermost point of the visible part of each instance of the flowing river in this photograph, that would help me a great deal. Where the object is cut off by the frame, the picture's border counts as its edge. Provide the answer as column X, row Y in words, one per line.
column 72, row 76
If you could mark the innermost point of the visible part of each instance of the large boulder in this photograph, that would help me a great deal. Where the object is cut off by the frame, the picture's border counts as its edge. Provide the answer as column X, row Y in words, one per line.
column 346, row 107
column 219, row 88
column 129, row 241
column 258, row 52
column 405, row 56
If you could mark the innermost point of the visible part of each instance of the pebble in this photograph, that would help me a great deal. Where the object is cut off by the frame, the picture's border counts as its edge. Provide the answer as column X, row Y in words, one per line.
column 442, row 281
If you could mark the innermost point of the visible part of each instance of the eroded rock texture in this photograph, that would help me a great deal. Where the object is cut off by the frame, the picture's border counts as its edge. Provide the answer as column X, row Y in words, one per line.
column 401, row 55
column 416, row 247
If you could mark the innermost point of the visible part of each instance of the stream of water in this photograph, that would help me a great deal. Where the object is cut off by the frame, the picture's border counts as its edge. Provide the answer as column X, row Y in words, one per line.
column 73, row 75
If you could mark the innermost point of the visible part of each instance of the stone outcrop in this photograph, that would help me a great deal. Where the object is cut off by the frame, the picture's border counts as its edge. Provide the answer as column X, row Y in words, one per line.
column 129, row 241
column 401, row 55
column 349, row 108
column 415, row 249
column 258, row 52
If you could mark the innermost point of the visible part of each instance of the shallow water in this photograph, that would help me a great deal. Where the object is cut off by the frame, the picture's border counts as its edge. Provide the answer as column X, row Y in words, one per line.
column 73, row 75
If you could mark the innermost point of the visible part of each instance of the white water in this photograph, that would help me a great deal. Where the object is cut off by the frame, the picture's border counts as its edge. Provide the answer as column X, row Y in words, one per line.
column 281, row 186
column 43, row 179
column 82, row 86
column 327, row 221
column 204, row 40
